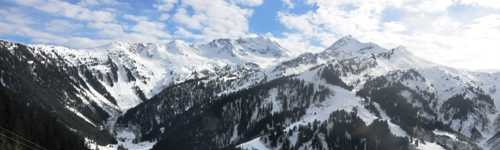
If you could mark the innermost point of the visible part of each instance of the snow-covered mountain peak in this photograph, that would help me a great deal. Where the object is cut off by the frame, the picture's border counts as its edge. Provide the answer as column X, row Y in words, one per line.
column 160, row 52
column 120, row 46
column 258, row 46
column 7, row 44
column 346, row 42
column 399, row 57
column 117, row 45
column 258, row 50
column 181, row 47
column 262, row 45
column 134, row 48
column 350, row 47
column 402, row 50
column 218, row 47
column 177, row 44
column 343, row 41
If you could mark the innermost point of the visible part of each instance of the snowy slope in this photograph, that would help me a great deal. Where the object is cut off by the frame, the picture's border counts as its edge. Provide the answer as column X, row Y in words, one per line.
column 119, row 76
column 258, row 50
column 340, row 99
column 427, row 87
column 359, row 63
column 356, row 62
column 466, row 103
column 442, row 82
column 147, row 67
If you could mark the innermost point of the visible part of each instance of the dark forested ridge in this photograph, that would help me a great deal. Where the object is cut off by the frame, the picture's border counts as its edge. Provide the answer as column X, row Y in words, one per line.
column 52, row 84
column 26, row 126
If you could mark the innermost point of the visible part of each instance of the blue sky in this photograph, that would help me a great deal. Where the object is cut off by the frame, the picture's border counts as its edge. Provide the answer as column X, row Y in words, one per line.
column 458, row 33
column 257, row 18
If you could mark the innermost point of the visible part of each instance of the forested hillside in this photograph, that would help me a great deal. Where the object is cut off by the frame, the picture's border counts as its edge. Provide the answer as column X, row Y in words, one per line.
column 25, row 126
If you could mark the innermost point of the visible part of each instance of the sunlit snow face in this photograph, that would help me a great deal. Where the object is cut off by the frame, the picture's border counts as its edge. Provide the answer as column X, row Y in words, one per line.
column 458, row 33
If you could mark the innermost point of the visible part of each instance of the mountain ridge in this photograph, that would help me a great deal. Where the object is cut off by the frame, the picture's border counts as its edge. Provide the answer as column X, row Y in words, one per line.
column 358, row 69
column 142, row 81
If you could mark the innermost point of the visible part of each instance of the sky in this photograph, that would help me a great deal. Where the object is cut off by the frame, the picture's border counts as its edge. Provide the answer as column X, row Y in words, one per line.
column 457, row 33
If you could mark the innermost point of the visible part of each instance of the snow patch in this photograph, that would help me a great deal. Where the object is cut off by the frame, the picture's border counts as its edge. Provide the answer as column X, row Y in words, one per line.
column 342, row 100
column 2, row 82
column 255, row 144
column 394, row 128
column 275, row 103
column 125, row 140
column 235, row 134
column 11, row 47
column 444, row 133
column 429, row 146
column 76, row 112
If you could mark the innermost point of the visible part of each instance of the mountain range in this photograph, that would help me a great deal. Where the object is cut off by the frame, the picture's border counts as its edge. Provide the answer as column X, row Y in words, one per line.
column 247, row 93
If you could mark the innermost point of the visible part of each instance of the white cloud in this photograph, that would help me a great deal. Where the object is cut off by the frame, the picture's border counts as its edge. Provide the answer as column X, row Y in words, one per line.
column 192, row 22
column 149, row 28
column 62, row 26
column 101, row 21
column 16, row 23
column 15, row 17
column 83, row 42
column 81, row 18
column 425, row 27
column 62, row 8
column 249, row 3
column 107, row 30
column 140, row 31
column 393, row 27
column 300, row 23
column 24, row 30
column 482, row 3
column 295, row 43
column 98, row 2
column 37, row 36
column 212, row 19
column 288, row 3
column 135, row 17
column 165, row 5
column 183, row 33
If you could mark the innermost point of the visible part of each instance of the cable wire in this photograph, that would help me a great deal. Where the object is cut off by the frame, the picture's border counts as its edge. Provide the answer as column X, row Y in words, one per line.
column 20, row 142
column 22, row 138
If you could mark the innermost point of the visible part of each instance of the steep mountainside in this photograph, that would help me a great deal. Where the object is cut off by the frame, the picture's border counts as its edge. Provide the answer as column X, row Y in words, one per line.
column 78, row 99
column 28, row 126
column 89, row 89
column 251, row 93
column 442, row 107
